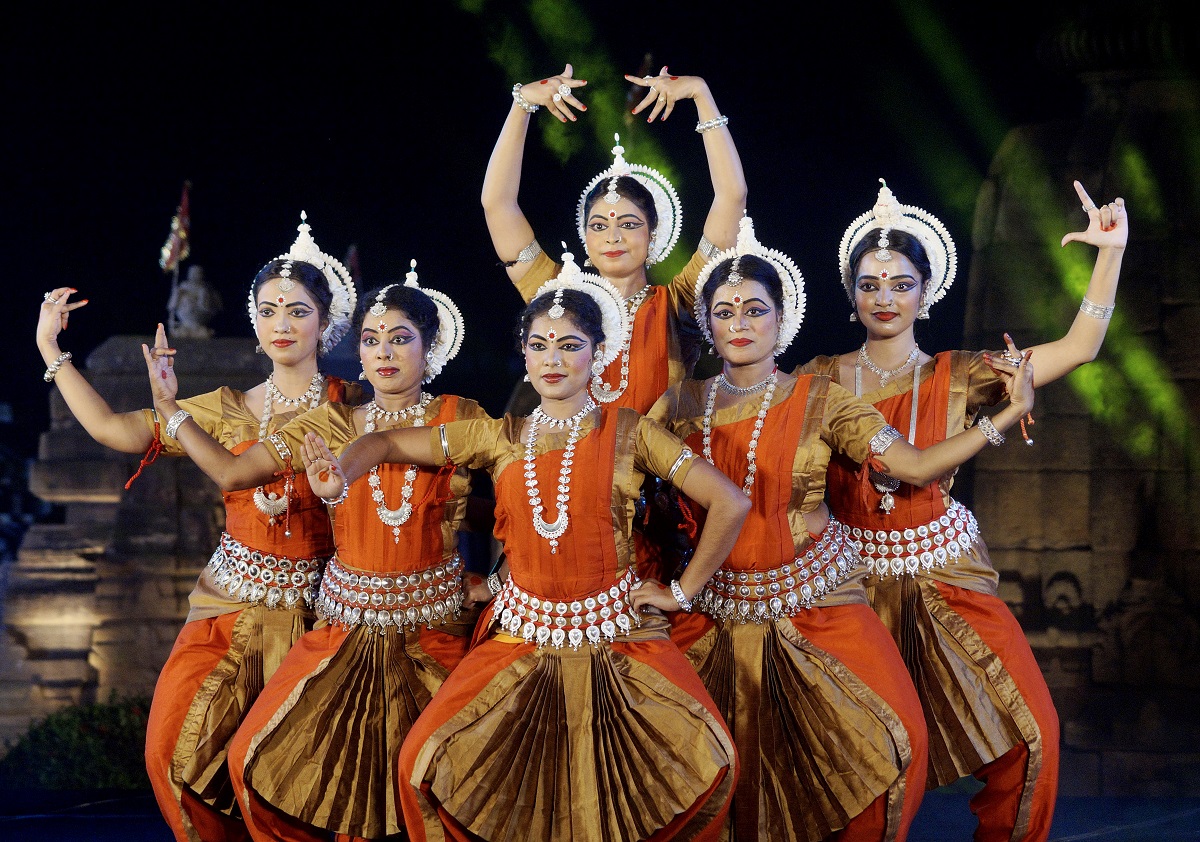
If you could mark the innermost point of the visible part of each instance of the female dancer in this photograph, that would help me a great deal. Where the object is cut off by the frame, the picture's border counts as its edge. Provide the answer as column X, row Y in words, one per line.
column 574, row 716
column 827, row 723
column 240, row 626
column 320, row 744
column 628, row 218
column 987, row 706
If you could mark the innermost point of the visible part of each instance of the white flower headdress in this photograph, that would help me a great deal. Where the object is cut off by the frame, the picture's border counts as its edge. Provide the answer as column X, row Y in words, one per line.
column 337, row 276
column 613, row 319
column 889, row 215
column 451, row 328
column 790, row 277
column 666, row 202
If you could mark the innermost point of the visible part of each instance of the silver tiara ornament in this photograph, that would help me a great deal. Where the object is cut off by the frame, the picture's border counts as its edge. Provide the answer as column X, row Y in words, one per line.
column 889, row 215
column 666, row 202
column 451, row 328
column 613, row 319
column 337, row 276
column 790, row 278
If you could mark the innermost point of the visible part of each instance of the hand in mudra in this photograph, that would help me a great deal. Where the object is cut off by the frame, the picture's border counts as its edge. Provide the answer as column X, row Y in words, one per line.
column 325, row 475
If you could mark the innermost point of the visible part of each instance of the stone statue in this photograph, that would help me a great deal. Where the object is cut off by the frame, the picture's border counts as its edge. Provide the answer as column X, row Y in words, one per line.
column 193, row 303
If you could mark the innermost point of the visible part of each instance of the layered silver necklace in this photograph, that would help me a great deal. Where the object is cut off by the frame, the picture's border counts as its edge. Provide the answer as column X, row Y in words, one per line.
column 395, row 518
column 552, row 531
column 883, row 483
column 274, row 505
column 709, row 406
column 600, row 389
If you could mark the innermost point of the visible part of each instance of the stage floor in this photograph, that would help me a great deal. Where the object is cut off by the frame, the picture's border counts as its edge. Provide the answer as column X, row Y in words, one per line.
column 944, row 817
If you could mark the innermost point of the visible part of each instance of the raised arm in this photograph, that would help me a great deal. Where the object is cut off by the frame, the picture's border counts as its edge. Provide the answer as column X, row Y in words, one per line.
column 122, row 431
column 724, row 164
column 1108, row 230
column 510, row 230
column 254, row 466
column 920, row 467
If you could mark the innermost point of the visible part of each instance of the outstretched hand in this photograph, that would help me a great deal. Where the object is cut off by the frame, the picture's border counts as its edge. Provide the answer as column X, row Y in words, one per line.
column 1108, row 225
column 160, row 364
column 556, row 94
column 52, row 315
column 325, row 475
column 664, row 91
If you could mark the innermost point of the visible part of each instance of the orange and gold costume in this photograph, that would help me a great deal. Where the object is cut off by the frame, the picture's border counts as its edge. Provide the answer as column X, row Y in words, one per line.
column 545, row 732
column 989, row 711
column 827, row 724
column 317, row 752
column 232, row 641
column 663, row 349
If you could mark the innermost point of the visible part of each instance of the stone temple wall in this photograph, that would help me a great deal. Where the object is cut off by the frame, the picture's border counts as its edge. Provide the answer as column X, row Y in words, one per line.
column 1094, row 529
column 93, row 604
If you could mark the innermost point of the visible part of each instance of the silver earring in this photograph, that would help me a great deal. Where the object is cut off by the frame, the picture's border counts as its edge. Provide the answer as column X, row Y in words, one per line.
column 258, row 349
column 526, row 377
column 597, row 367
column 587, row 261
column 362, row 375
column 853, row 316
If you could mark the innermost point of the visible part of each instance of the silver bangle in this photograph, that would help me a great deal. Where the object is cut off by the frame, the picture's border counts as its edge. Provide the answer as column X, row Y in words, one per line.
column 341, row 498
column 684, row 456
column 714, row 123
column 175, row 421
column 494, row 584
column 1096, row 311
column 445, row 444
column 989, row 431
column 680, row 597
column 707, row 247
column 526, row 106
column 53, row 368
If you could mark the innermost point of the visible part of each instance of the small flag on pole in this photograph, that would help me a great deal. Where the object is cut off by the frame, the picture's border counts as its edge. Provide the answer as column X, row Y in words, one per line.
column 177, row 247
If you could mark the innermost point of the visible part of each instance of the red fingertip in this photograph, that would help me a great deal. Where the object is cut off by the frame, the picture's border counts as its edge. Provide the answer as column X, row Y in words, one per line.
column 544, row 81
column 674, row 77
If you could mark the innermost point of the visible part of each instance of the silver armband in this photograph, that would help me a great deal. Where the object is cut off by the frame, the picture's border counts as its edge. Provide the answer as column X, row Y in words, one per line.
column 1096, row 311
column 884, row 439
column 707, row 248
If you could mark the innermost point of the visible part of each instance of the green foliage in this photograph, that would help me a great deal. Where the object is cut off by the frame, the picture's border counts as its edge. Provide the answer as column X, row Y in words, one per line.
column 96, row 746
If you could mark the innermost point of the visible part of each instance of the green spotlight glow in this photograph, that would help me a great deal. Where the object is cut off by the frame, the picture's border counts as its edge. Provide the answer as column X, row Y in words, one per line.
column 1129, row 389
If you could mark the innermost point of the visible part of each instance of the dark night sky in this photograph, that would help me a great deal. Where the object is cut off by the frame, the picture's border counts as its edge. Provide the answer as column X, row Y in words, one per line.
column 381, row 130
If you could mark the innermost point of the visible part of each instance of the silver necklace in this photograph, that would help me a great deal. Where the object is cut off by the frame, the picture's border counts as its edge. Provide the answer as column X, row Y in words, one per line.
column 883, row 483
column 603, row 392
column 764, row 407
column 274, row 505
column 552, row 531
column 742, row 391
column 886, row 374
column 395, row 518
